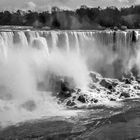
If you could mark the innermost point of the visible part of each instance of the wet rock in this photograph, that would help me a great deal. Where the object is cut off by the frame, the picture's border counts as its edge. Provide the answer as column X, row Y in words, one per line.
column 112, row 99
column 138, row 94
column 106, row 84
column 128, row 78
column 64, row 86
column 78, row 91
column 65, row 91
column 129, row 75
column 124, row 94
column 95, row 78
column 74, row 97
column 65, row 94
column 71, row 103
column 94, row 100
column 109, row 93
column 92, row 86
column 137, row 87
column 98, row 90
column 138, row 79
column 125, row 86
column 73, row 90
column 82, row 99
column 117, row 93
column 127, row 81
column 115, row 83
column 113, row 90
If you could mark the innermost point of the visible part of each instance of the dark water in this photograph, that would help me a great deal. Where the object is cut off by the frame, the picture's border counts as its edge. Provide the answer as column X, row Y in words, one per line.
column 100, row 123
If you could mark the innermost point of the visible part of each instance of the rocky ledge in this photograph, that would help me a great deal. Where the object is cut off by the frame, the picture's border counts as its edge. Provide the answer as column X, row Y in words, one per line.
column 101, row 91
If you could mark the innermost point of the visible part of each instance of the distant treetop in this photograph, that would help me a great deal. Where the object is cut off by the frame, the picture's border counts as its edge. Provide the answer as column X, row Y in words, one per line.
column 82, row 18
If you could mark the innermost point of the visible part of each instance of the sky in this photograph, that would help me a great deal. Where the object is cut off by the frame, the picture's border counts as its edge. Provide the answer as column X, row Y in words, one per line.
column 65, row 4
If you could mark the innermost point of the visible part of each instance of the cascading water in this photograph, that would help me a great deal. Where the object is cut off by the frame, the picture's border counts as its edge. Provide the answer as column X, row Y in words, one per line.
column 30, row 59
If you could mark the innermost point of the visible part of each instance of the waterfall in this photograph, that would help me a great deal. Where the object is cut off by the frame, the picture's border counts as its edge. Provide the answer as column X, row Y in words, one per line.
column 107, row 44
column 20, row 39
column 41, row 43
column 3, row 49
column 54, row 39
column 67, row 42
column 77, row 42
column 120, row 39
column 31, row 63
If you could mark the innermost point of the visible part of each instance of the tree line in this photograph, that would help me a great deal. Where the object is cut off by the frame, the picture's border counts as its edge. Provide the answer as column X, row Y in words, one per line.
column 81, row 18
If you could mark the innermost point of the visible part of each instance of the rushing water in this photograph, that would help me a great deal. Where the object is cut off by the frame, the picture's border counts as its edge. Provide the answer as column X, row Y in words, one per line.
column 29, row 60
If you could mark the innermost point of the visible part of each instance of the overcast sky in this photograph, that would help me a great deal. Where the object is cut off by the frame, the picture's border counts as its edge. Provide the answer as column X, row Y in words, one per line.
column 70, row 4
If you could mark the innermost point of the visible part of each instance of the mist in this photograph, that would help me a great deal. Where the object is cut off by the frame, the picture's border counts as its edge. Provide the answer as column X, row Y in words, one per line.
column 21, row 72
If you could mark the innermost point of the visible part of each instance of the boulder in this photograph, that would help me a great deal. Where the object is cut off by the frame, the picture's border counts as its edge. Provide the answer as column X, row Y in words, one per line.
column 64, row 86
column 112, row 99
column 65, row 91
column 78, row 91
column 65, row 94
column 96, row 77
column 106, row 84
column 127, row 81
column 71, row 103
column 124, row 94
column 109, row 93
column 115, row 82
column 94, row 100
column 74, row 97
column 138, row 78
column 82, row 99
column 137, row 87
column 129, row 75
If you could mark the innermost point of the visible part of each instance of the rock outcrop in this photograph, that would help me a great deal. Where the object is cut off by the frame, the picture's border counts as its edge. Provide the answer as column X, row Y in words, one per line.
column 100, row 91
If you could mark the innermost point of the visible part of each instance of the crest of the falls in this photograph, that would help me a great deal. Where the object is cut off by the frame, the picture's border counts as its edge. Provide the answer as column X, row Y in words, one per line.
column 33, row 59
column 71, row 39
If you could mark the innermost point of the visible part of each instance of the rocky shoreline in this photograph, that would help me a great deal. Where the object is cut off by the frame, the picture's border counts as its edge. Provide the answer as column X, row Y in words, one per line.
column 101, row 91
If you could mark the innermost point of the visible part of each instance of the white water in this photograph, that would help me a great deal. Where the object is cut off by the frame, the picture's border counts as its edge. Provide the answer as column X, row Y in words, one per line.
column 28, row 58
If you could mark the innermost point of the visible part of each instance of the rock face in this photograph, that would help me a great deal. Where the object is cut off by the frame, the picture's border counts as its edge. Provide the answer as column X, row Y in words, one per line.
column 96, row 77
column 82, row 98
column 100, row 91
column 65, row 91
column 128, row 78
column 105, row 83
column 125, row 95
column 71, row 103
